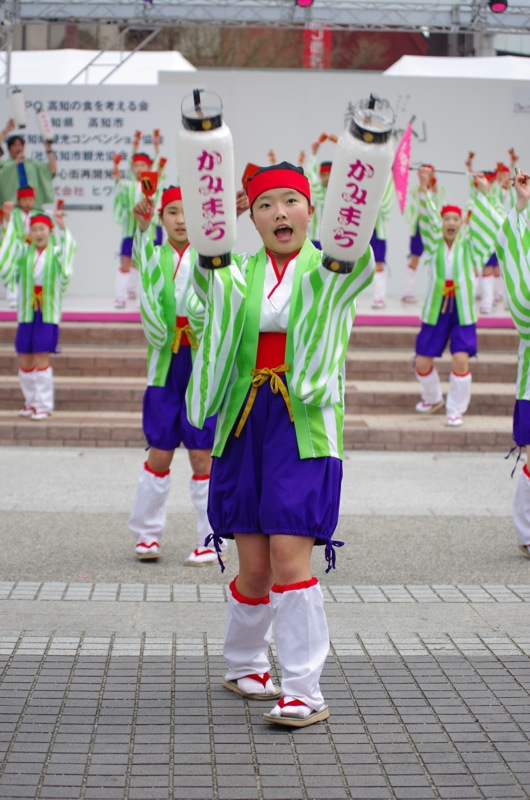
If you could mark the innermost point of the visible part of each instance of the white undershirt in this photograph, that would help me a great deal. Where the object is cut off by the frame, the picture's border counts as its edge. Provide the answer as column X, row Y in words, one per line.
column 38, row 268
column 276, row 298
column 181, row 276
column 449, row 255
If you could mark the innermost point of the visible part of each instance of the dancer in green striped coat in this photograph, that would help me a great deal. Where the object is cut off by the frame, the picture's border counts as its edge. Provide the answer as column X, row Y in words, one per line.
column 42, row 271
column 513, row 250
column 453, row 251
column 274, row 335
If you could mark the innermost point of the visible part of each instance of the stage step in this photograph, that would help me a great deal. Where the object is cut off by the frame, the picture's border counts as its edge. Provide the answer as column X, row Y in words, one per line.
column 361, row 432
column 100, row 378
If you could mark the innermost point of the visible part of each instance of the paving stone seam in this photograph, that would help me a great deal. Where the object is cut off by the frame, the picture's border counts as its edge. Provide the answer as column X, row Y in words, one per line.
column 59, row 591
column 22, row 643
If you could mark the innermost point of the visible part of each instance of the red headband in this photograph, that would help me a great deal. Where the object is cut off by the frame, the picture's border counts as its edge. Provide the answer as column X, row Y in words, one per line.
column 26, row 191
column 503, row 168
column 141, row 157
column 277, row 179
column 325, row 167
column 451, row 210
column 168, row 196
column 43, row 219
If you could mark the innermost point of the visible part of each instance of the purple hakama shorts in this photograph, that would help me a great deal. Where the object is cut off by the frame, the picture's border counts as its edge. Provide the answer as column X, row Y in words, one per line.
column 127, row 246
column 165, row 419
column 432, row 340
column 492, row 261
column 416, row 244
column 261, row 485
column 36, row 336
column 521, row 423
column 379, row 248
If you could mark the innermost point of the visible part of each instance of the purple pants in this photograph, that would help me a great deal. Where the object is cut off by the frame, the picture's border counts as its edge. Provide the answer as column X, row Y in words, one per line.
column 521, row 423
column 379, row 248
column 492, row 261
column 432, row 340
column 165, row 419
column 261, row 485
column 36, row 336
column 416, row 244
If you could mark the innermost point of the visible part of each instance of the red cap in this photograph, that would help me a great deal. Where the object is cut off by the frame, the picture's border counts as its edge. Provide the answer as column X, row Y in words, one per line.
column 141, row 157
column 26, row 191
column 42, row 218
column 281, row 176
column 451, row 210
column 168, row 196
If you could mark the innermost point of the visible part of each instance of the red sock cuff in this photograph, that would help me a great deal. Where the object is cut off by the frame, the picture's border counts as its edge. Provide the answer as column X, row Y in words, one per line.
column 200, row 477
column 464, row 375
column 424, row 374
column 249, row 601
column 43, row 369
column 526, row 471
column 152, row 471
column 294, row 586
column 28, row 371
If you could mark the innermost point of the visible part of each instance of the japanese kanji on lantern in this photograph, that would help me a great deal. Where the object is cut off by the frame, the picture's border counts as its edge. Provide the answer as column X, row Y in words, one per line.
column 360, row 171
column 205, row 164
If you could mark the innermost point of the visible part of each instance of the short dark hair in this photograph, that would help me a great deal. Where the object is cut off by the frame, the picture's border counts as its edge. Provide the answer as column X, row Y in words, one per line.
column 12, row 139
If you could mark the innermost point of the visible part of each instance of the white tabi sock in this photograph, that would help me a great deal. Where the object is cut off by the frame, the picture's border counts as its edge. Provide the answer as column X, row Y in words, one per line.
column 248, row 633
column 459, row 394
column 148, row 516
column 302, row 639
column 431, row 388
column 44, row 400
column 521, row 508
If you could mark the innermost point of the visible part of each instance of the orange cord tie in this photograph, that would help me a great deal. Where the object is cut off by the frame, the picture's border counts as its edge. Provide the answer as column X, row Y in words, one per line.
column 259, row 377
column 179, row 332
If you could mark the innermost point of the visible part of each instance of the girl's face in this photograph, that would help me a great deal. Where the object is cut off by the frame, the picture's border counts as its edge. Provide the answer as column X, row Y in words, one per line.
column 451, row 224
column 281, row 217
column 26, row 203
column 40, row 234
column 174, row 223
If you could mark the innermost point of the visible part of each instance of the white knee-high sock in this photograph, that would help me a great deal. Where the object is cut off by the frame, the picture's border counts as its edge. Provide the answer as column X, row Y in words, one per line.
column 302, row 639
column 459, row 394
column 431, row 388
column 148, row 516
column 28, row 384
column 248, row 633
column 121, row 286
column 410, row 280
column 379, row 286
column 44, row 400
column 199, row 487
column 486, row 293
column 521, row 507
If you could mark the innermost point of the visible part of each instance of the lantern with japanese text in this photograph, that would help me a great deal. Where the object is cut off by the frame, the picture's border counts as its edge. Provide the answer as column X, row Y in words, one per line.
column 205, row 162
column 44, row 122
column 17, row 107
column 359, row 175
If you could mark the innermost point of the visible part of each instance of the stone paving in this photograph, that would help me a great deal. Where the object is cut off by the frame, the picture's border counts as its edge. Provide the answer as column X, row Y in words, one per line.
column 111, row 689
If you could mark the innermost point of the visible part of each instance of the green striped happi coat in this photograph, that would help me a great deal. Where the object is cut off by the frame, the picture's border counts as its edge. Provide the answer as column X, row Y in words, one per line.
column 513, row 250
column 126, row 195
column 158, row 307
column 17, row 261
column 322, row 309
column 473, row 245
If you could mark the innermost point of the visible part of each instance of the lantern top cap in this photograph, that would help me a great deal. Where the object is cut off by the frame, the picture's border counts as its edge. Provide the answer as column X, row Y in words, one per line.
column 202, row 111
